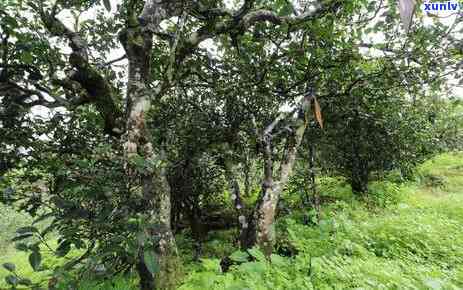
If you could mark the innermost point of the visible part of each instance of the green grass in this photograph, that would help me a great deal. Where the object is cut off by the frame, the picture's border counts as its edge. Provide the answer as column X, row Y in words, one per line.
column 23, row 268
column 118, row 283
column 406, row 236
column 412, row 241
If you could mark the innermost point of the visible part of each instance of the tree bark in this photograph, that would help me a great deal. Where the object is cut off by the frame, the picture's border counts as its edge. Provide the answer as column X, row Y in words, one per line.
column 359, row 178
column 152, row 180
column 359, row 166
column 231, row 174
column 313, row 184
column 261, row 229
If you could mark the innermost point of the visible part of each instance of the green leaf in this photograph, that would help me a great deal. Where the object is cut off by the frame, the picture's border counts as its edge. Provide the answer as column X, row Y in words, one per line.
column 27, row 58
column 10, row 21
column 35, row 259
column 48, row 229
column 21, row 247
column 79, row 244
column 151, row 261
column 254, row 267
column 29, row 229
column 239, row 256
column 9, row 266
column 63, row 249
column 107, row 5
column 43, row 217
column 211, row 265
column 25, row 282
column 277, row 260
column 35, row 247
column 11, row 280
column 33, row 6
column 22, row 237
column 256, row 253
column 287, row 9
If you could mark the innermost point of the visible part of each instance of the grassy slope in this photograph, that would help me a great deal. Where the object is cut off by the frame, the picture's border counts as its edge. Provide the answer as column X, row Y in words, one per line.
column 416, row 244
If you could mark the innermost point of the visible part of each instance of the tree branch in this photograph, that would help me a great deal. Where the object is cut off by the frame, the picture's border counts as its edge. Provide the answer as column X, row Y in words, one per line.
column 245, row 18
column 98, row 89
column 27, row 93
column 116, row 60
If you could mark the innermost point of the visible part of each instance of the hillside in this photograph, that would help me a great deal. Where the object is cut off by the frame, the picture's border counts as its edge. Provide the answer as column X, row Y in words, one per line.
column 414, row 244
column 404, row 236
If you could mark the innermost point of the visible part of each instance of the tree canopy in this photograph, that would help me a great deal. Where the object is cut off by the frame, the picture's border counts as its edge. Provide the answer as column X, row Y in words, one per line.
column 125, row 122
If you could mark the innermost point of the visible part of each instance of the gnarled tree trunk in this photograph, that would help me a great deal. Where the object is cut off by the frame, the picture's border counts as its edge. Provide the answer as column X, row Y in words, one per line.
column 137, row 41
column 261, row 231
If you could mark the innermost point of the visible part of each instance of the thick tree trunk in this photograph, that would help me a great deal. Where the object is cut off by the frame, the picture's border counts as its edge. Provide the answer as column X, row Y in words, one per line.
column 163, row 239
column 261, row 230
column 151, row 179
column 155, row 188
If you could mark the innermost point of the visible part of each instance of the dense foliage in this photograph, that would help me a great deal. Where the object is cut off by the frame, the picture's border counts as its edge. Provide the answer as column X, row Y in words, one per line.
column 132, row 132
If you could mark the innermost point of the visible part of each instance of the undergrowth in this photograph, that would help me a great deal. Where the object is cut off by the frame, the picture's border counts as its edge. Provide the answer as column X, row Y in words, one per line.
column 411, row 240
column 402, row 236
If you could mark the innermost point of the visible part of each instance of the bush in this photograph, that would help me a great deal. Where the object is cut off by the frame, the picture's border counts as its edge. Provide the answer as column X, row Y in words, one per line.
column 385, row 193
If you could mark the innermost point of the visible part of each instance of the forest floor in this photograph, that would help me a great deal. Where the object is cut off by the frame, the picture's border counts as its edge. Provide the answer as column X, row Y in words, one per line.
column 404, row 236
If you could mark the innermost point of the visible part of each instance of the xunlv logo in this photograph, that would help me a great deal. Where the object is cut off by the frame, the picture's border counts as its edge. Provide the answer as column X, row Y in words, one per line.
column 442, row 6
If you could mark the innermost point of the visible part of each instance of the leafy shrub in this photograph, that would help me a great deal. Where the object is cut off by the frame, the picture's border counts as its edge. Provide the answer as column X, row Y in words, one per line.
column 276, row 273
column 395, row 176
column 336, row 187
column 385, row 193
column 433, row 180
column 116, row 283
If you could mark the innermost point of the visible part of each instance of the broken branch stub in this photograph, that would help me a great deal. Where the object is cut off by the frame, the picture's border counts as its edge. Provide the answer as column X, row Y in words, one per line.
column 407, row 9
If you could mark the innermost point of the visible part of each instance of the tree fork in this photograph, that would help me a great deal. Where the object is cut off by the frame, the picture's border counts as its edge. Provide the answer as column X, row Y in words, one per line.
column 261, row 231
